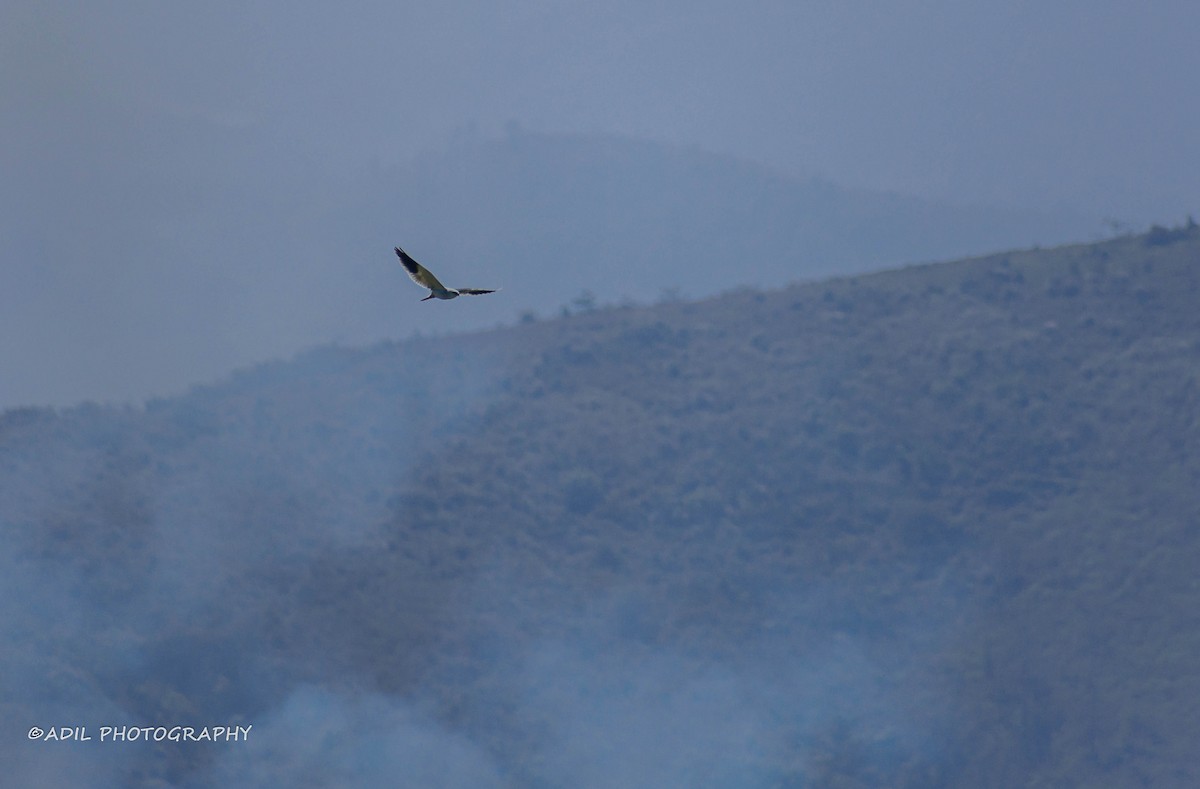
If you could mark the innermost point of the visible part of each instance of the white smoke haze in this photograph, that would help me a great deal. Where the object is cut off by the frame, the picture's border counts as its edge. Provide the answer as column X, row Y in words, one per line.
column 321, row 737
column 211, row 509
column 579, row 687
column 602, row 710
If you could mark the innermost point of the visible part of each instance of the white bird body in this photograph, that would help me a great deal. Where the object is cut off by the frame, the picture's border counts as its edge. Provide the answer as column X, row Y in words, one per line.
column 437, row 290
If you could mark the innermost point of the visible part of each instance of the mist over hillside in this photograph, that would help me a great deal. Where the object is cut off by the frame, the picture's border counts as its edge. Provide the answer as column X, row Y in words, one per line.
column 216, row 246
column 933, row 526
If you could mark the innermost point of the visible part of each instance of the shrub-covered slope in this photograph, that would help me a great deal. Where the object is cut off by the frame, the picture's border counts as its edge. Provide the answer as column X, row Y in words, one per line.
column 936, row 526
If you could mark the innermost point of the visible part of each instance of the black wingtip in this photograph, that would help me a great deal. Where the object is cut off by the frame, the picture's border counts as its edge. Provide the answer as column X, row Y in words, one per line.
column 409, row 263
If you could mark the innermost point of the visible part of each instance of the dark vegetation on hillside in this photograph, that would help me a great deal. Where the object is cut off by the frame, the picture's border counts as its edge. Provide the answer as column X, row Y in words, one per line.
column 931, row 527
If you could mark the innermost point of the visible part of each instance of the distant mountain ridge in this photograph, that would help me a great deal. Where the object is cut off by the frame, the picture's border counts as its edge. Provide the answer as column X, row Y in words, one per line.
column 228, row 247
column 626, row 217
column 932, row 526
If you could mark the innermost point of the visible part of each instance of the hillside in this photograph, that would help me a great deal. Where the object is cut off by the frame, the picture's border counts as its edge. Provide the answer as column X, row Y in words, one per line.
column 929, row 527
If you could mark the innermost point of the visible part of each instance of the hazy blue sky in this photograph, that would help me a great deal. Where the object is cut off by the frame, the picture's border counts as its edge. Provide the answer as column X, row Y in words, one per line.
column 1079, row 106
column 1087, row 104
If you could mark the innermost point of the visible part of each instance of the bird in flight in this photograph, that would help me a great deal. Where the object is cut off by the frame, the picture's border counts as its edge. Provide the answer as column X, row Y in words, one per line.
column 437, row 290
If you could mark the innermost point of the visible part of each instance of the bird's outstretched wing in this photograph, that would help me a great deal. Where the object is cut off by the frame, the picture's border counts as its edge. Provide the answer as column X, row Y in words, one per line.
column 473, row 291
column 419, row 273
